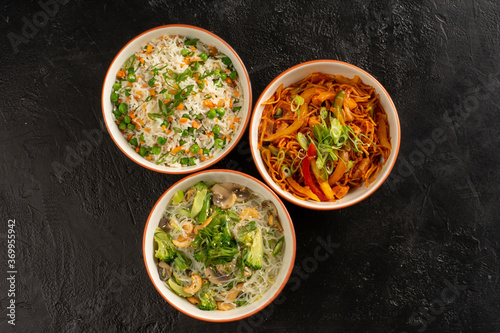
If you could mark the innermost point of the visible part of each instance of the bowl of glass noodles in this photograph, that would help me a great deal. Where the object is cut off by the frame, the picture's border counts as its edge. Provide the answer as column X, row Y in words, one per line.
column 324, row 134
column 219, row 245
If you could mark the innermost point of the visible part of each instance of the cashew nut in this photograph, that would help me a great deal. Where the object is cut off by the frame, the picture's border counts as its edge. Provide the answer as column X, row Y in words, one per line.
column 203, row 225
column 235, row 291
column 193, row 300
column 188, row 228
column 271, row 222
column 181, row 242
column 224, row 306
column 195, row 285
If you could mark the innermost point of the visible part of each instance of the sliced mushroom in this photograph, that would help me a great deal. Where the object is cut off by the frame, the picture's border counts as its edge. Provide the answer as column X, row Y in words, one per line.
column 241, row 192
column 222, row 306
column 247, row 272
column 193, row 300
column 268, row 204
column 235, row 291
column 225, row 269
column 165, row 224
column 195, row 285
column 164, row 270
column 216, row 278
column 223, row 197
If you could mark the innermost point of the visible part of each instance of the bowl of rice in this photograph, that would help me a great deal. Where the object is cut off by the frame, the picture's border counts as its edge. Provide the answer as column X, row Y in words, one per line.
column 176, row 99
column 224, row 262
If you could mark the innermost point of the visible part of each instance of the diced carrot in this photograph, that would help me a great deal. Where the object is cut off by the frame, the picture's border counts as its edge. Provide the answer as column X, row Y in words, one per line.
column 237, row 93
column 228, row 80
column 173, row 92
column 187, row 151
column 213, row 50
column 120, row 74
column 130, row 84
column 163, row 127
column 137, row 149
column 170, row 118
column 236, row 119
column 169, row 131
column 142, row 61
column 127, row 99
column 142, row 142
column 139, row 76
column 139, row 92
column 183, row 120
column 149, row 48
column 129, row 137
column 200, row 151
column 161, row 37
column 176, row 150
column 182, row 65
column 140, row 122
column 137, row 126
column 203, row 158
column 166, row 101
column 144, row 85
column 229, row 118
column 231, row 126
column 211, row 157
column 148, row 130
column 208, row 134
column 132, row 115
column 220, row 103
column 148, row 157
column 152, row 92
column 119, row 101
column 195, row 124
column 231, row 103
column 193, row 48
column 180, row 107
column 208, row 103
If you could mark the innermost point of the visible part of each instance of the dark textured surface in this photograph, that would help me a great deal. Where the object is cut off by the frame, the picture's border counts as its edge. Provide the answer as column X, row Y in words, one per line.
column 433, row 224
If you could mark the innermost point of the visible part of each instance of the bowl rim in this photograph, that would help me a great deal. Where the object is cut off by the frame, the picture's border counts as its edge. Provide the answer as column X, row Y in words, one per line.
column 181, row 170
column 255, row 122
column 288, row 273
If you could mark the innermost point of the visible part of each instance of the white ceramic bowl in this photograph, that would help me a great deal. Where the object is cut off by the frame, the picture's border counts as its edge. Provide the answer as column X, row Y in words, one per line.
column 182, row 304
column 135, row 45
column 299, row 72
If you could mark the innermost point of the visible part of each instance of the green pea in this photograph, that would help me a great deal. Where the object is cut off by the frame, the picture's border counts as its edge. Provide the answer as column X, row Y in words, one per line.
column 122, row 126
column 191, row 130
column 216, row 129
column 155, row 150
column 211, row 113
column 184, row 52
column 185, row 115
column 226, row 61
column 195, row 148
column 131, row 78
column 117, row 86
column 182, row 142
column 127, row 119
column 114, row 97
column 192, row 160
column 223, row 76
column 184, row 133
column 233, row 75
column 220, row 111
column 131, row 70
column 133, row 142
column 161, row 140
column 117, row 114
column 123, row 108
column 143, row 151
column 203, row 56
column 184, row 160
column 131, row 127
column 206, row 151
column 219, row 143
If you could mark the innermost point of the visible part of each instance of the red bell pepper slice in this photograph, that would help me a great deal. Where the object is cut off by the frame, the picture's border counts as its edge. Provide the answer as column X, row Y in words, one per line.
column 306, row 170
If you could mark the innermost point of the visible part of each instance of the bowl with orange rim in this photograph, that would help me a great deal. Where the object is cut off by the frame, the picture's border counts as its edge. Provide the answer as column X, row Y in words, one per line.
column 224, row 292
column 176, row 99
column 324, row 134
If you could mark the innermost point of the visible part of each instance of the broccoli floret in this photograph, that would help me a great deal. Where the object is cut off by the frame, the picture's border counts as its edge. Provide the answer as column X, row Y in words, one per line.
column 207, row 301
column 166, row 250
column 256, row 253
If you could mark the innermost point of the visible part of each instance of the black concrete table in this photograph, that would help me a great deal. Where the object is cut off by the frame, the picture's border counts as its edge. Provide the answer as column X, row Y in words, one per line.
column 420, row 254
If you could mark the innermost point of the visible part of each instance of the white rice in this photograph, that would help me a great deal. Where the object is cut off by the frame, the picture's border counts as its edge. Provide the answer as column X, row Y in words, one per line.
column 142, row 100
